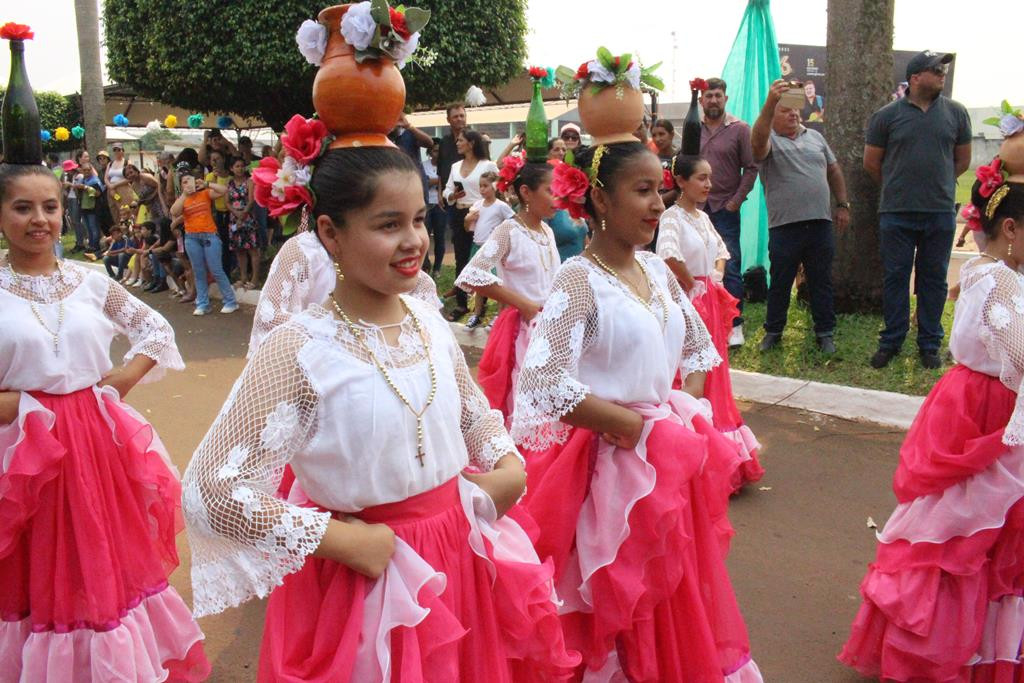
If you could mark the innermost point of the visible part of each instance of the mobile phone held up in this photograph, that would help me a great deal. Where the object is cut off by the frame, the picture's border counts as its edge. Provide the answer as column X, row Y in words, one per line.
column 458, row 186
column 793, row 98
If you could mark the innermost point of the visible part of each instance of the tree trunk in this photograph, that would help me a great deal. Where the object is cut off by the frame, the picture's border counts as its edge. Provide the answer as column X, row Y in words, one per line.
column 859, row 79
column 88, row 23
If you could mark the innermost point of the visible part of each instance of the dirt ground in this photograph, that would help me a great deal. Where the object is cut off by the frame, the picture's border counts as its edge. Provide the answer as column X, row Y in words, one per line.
column 800, row 550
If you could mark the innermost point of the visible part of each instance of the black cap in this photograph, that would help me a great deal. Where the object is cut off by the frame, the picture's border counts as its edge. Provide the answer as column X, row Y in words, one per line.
column 923, row 61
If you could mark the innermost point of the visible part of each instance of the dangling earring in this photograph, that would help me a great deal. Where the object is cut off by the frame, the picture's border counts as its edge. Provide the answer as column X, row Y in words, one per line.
column 1009, row 250
column 526, row 206
column 337, row 269
column 604, row 226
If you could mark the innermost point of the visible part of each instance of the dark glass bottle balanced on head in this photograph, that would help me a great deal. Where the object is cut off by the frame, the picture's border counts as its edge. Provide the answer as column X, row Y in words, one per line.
column 19, row 114
column 691, row 125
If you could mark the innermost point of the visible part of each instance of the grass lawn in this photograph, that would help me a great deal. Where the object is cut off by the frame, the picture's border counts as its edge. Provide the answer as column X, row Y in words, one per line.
column 856, row 340
column 963, row 187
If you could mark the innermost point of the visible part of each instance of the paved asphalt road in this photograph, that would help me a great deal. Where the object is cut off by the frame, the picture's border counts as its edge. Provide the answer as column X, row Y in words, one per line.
column 802, row 539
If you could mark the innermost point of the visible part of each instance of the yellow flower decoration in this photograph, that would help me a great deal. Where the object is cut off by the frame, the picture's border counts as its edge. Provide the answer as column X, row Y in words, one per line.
column 62, row 134
column 171, row 121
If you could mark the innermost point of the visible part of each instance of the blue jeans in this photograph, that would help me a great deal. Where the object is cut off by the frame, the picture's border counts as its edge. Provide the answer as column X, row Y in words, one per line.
column 727, row 224
column 159, row 274
column 919, row 242
column 812, row 244
column 204, row 252
column 437, row 225
column 92, row 227
column 120, row 260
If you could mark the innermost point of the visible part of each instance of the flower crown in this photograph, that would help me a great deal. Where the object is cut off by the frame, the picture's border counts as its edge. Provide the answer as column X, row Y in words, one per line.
column 993, row 187
column 608, row 70
column 283, row 188
column 373, row 28
column 569, row 184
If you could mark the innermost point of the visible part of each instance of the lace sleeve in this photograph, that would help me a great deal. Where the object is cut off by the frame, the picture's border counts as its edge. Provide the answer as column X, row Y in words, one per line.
column 483, row 428
column 244, row 539
column 284, row 293
column 148, row 332
column 479, row 271
column 1002, row 332
column 699, row 353
column 426, row 290
column 547, row 388
column 668, row 237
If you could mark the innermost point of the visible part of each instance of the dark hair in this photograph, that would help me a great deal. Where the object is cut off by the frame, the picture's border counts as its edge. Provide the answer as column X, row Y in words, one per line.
column 552, row 141
column 130, row 165
column 666, row 124
column 233, row 160
column 480, row 147
column 346, row 179
column 148, row 224
column 188, row 155
column 531, row 175
column 685, row 165
column 1011, row 206
column 454, row 105
column 53, row 158
column 615, row 156
column 164, row 228
column 11, row 172
column 245, row 140
column 716, row 84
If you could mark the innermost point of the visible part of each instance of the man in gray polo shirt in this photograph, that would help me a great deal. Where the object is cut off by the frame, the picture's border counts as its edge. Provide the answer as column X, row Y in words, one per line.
column 799, row 173
column 916, row 147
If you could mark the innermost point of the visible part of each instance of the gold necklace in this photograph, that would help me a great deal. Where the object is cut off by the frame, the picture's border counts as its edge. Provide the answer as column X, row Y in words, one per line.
column 545, row 253
column 360, row 337
column 54, row 334
column 635, row 291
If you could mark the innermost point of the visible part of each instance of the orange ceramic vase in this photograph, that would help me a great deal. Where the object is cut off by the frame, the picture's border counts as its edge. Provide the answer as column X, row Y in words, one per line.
column 611, row 114
column 359, row 103
column 1012, row 154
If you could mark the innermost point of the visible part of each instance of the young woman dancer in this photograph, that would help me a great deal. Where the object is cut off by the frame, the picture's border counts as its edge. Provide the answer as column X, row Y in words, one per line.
column 89, row 501
column 943, row 598
column 696, row 255
column 626, row 476
column 522, row 251
column 386, row 562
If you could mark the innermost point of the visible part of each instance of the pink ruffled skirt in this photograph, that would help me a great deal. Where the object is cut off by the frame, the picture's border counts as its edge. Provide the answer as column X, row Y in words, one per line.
column 463, row 599
column 89, row 510
column 943, row 599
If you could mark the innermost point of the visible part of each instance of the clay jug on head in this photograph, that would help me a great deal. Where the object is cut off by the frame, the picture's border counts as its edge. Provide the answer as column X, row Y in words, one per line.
column 611, row 114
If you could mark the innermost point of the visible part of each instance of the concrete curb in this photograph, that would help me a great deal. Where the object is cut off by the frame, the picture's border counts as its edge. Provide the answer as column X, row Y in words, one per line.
column 885, row 408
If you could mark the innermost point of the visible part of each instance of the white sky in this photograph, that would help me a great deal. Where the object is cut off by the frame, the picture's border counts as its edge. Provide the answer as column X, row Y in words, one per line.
column 987, row 40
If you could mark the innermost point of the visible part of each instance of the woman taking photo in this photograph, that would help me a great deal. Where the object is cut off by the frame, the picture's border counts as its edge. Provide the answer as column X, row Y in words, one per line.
column 462, row 192
column 147, row 192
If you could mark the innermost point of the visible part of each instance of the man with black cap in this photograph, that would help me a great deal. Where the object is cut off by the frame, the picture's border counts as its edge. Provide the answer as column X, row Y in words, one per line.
column 916, row 147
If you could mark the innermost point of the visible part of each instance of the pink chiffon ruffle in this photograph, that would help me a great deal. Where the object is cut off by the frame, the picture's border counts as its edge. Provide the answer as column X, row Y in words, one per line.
column 498, row 362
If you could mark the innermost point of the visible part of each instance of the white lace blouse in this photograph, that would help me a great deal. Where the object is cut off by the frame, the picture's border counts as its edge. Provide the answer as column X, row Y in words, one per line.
column 86, row 310
column 988, row 330
column 302, row 274
column 594, row 336
column 692, row 240
column 525, row 261
column 310, row 396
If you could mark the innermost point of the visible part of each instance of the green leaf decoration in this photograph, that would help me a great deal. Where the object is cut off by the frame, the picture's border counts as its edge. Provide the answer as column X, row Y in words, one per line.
column 652, row 81
column 624, row 63
column 290, row 222
column 992, row 121
column 416, row 19
column 1006, row 107
column 379, row 12
column 565, row 75
column 651, row 69
column 606, row 58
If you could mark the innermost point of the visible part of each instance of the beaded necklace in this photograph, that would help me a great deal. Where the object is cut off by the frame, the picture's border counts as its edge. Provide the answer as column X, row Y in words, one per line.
column 358, row 333
column 541, row 240
column 54, row 334
column 633, row 290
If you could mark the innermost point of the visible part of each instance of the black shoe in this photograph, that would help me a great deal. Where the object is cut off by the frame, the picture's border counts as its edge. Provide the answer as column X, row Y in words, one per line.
column 931, row 360
column 160, row 287
column 882, row 358
column 150, row 287
column 827, row 345
column 474, row 322
column 770, row 341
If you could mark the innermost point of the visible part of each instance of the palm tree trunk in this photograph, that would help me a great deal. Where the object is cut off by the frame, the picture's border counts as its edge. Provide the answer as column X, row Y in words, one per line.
column 88, row 23
column 859, row 82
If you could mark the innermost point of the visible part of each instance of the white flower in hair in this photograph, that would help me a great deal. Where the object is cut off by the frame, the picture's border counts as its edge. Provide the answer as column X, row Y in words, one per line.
column 312, row 41
column 290, row 173
column 633, row 76
column 358, row 26
column 475, row 97
column 596, row 71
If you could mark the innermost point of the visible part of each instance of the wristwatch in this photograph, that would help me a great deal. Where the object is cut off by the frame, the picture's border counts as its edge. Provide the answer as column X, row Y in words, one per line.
column 843, row 205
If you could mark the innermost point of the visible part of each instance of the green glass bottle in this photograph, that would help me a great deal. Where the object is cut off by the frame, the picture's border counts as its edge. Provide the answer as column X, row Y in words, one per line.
column 537, row 128
column 19, row 114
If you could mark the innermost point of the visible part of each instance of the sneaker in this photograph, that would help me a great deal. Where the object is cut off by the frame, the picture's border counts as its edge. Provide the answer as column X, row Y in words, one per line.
column 137, row 283
column 770, row 341
column 736, row 339
column 827, row 345
column 882, row 358
column 229, row 308
column 930, row 360
column 474, row 322
column 201, row 311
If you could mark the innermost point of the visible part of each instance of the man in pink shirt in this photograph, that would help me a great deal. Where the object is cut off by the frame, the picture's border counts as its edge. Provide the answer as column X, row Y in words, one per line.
column 725, row 143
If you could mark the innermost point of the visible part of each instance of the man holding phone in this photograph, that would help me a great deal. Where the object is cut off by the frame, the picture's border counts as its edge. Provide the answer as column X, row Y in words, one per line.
column 916, row 147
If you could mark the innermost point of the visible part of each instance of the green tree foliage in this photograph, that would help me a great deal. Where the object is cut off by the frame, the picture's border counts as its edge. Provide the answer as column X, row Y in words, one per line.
column 241, row 57
column 56, row 110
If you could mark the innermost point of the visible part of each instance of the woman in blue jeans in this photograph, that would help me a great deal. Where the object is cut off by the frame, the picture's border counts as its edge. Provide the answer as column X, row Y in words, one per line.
column 202, row 244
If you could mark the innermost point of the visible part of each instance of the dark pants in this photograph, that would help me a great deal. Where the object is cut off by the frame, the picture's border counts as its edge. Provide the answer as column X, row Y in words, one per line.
column 727, row 224
column 919, row 242
column 462, row 242
column 91, row 221
column 227, row 258
column 812, row 244
column 437, row 225
column 120, row 260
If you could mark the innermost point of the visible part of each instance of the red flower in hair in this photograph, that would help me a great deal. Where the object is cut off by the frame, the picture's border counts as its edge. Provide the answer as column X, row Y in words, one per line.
column 277, row 188
column 698, row 84
column 971, row 214
column 398, row 24
column 582, row 72
column 510, row 168
column 12, row 31
column 667, row 181
column 991, row 177
column 303, row 139
column 538, row 72
column 569, row 186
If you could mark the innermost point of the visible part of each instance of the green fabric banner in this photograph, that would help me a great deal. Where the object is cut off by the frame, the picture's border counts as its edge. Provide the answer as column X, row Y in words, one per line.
column 752, row 66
